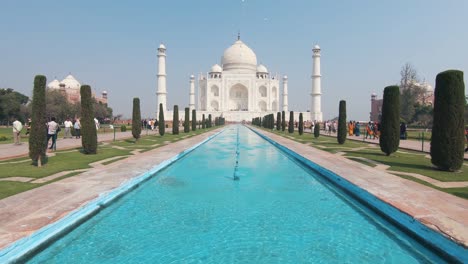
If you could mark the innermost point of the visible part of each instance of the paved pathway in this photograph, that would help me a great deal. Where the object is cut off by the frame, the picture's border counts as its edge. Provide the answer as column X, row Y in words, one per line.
column 404, row 144
column 10, row 150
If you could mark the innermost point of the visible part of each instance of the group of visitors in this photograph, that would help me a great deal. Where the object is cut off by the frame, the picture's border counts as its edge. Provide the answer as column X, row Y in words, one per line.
column 149, row 124
column 354, row 128
column 373, row 130
column 53, row 128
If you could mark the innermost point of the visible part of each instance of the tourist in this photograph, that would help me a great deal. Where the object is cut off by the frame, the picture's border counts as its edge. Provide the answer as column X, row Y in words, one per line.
column 68, row 124
column 369, row 131
column 357, row 129
column 350, row 128
column 96, row 122
column 17, row 127
column 52, row 130
column 28, row 127
column 77, row 127
column 402, row 130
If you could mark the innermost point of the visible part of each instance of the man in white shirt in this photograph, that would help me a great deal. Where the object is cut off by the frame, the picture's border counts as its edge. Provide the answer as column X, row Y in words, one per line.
column 17, row 127
column 52, row 127
column 68, row 124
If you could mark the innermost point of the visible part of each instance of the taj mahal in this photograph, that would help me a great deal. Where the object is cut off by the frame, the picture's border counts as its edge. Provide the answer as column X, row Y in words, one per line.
column 238, row 88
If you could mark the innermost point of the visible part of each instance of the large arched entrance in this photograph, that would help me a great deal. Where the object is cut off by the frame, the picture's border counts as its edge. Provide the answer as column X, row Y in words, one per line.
column 238, row 98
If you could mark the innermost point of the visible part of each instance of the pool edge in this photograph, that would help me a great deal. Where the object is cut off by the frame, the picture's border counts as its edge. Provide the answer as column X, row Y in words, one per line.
column 447, row 247
column 23, row 248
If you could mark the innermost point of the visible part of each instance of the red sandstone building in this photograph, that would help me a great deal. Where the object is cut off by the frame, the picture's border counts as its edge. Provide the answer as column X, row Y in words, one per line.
column 70, row 87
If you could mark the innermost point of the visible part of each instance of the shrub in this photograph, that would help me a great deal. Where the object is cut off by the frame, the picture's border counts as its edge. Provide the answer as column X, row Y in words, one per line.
column 209, row 121
column 301, row 124
column 194, row 120
column 187, row 120
column 136, row 119
column 203, row 121
column 162, row 122
column 317, row 130
column 123, row 128
column 341, row 135
column 291, row 122
column 38, row 134
column 283, row 120
column 390, row 122
column 88, row 127
column 175, row 120
column 448, row 142
column 278, row 121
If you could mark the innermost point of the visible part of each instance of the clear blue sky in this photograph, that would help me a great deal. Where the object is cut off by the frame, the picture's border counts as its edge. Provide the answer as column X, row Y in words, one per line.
column 112, row 45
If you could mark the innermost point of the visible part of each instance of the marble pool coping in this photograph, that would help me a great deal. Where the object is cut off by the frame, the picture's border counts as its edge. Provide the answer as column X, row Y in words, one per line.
column 25, row 213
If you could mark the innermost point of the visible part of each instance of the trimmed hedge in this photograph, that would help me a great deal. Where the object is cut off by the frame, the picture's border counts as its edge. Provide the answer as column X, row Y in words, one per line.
column 38, row 134
column 88, row 127
column 161, row 122
column 448, row 140
column 136, row 119
column 341, row 135
column 389, row 139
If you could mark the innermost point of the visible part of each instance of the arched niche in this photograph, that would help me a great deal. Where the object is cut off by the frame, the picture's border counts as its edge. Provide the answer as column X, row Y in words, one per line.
column 238, row 98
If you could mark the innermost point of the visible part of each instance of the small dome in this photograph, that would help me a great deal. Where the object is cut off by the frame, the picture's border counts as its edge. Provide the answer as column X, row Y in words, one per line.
column 239, row 57
column 216, row 68
column 70, row 82
column 161, row 46
column 192, row 77
column 104, row 92
column 55, row 84
column 317, row 47
column 262, row 69
column 285, row 77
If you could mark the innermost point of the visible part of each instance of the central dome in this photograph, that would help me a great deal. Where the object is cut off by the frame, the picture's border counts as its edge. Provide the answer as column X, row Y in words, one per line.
column 239, row 57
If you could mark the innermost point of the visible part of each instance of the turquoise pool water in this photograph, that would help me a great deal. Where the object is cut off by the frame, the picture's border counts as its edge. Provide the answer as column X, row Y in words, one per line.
column 194, row 212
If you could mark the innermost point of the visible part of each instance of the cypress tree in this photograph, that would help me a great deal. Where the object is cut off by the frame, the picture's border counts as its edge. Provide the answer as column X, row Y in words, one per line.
column 283, row 120
column 341, row 135
column 175, row 120
column 136, row 119
column 447, row 142
column 209, row 121
column 390, row 123
column 203, row 121
column 187, row 120
column 194, row 120
column 278, row 121
column 301, row 124
column 38, row 132
column 291, row 122
column 317, row 130
column 88, row 127
column 162, row 122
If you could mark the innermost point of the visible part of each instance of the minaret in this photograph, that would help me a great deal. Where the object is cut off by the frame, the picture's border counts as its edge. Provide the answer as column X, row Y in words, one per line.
column 192, row 93
column 285, row 94
column 161, row 92
column 316, row 108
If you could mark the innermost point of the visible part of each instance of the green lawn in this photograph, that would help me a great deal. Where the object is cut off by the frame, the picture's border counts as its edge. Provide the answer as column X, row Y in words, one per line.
column 403, row 161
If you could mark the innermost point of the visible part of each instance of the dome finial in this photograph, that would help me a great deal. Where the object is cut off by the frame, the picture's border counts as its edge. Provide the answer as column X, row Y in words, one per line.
column 238, row 35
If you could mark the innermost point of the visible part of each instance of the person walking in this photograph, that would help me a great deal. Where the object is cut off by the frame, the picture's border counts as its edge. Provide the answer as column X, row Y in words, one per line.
column 52, row 130
column 17, row 127
column 77, row 127
column 68, row 125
